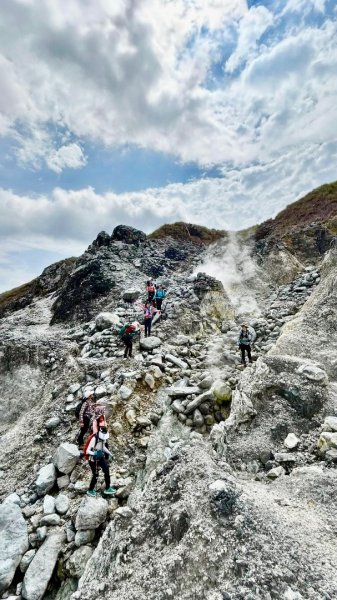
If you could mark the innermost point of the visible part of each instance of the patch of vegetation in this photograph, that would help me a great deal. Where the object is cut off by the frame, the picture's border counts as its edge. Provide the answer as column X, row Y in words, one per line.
column 17, row 295
column 187, row 232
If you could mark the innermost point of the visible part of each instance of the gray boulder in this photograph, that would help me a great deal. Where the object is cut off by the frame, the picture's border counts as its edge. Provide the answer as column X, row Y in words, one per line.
column 150, row 343
column 45, row 479
column 105, row 320
column 78, row 560
column 84, row 537
column 48, row 505
column 26, row 560
column 13, row 542
column 62, row 504
column 41, row 568
column 131, row 295
column 91, row 513
column 178, row 362
column 66, row 457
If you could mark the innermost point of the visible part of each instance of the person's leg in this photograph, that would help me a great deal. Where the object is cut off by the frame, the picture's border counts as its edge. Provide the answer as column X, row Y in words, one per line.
column 149, row 326
column 126, row 349
column 243, row 354
column 159, row 303
column 105, row 468
column 94, row 470
column 130, row 347
column 83, row 430
column 146, row 325
column 249, row 354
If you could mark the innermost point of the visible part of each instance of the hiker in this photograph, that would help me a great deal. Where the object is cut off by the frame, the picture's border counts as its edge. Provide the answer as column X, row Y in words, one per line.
column 98, row 419
column 97, row 451
column 85, row 416
column 159, row 296
column 151, row 290
column 244, row 342
column 149, row 311
column 128, row 333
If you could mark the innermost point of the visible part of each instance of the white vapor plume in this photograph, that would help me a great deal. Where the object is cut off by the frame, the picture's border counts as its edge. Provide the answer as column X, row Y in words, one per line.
column 231, row 263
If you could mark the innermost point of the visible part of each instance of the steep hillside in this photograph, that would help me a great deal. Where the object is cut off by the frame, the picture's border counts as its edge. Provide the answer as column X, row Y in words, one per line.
column 186, row 232
column 306, row 227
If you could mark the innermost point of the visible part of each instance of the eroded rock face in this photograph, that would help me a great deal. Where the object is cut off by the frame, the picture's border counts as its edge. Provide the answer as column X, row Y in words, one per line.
column 128, row 235
column 13, row 542
column 41, row 568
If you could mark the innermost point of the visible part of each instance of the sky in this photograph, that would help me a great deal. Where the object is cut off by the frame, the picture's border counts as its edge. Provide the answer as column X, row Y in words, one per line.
column 146, row 112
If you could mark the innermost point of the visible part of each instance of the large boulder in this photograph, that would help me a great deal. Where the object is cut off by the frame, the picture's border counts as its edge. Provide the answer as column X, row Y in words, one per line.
column 150, row 343
column 222, row 391
column 91, row 513
column 41, row 568
column 13, row 542
column 46, row 478
column 78, row 560
column 128, row 235
column 131, row 295
column 66, row 457
column 105, row 320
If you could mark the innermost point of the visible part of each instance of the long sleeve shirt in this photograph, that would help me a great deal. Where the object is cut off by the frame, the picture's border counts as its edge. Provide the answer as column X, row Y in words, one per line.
column 100, row 445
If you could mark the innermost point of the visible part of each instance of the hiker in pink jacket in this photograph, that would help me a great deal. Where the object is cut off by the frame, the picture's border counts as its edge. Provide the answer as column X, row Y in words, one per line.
column 149, row 311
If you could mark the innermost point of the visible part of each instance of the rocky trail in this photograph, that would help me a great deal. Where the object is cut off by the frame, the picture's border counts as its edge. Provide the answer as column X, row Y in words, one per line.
column 225, row 475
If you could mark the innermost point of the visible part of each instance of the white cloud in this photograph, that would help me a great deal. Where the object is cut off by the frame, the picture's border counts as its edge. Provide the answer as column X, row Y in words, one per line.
column 69, row 156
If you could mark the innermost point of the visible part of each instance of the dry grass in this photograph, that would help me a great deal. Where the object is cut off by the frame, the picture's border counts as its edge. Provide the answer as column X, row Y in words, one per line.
column 15, row 294
column 187, row 232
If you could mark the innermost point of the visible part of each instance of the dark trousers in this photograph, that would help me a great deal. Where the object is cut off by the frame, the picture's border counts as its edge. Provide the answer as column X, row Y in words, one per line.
column 128, row 346
column 83, row 430
column 159, row 302
column 147, row 324
column 95, row 466
column 150, row 296
column 245, row 348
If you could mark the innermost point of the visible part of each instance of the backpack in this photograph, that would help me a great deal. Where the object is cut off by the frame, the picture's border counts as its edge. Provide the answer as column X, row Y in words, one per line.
column 78, row 408
column 86, row 445
column 130, row 329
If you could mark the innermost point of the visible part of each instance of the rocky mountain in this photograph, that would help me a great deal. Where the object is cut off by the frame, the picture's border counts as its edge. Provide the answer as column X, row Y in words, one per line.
column 225, row 475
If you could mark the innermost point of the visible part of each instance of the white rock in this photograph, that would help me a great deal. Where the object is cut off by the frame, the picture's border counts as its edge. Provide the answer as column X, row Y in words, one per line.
column 275, row 472
column 130, row 416
column 218, row 486
column 330, row 424
column 91, row 513
column 45, row 479
column 313, row 373
column 13, row 498
column 26, row 560
column 149, row 380
column 70, row 399
column 222, row 391
column 150, row 343
column 124, row 392
column 157, row 372
column 116, row 428
column 78, row 560
column 84, row 537
column 124, row 511
column 62, row 504
column 73, row 388
column 206, row 383
column 13, row 542
column 176, row 361
column 291, row 441
column 100, row 391
column 105, row 320
column 63, row 481
column 52, row 520
column 48, row 505
column 181, row 340
column 52, row 423
column 41, row 568
column 66, row 457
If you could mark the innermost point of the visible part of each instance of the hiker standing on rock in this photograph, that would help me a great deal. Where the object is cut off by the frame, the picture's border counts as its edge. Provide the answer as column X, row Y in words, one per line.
column 151, row 290
column 97, row 452
column 85, row 417
column 245, row 340
column 149, row 311
column 128, row 333
column 159, row 297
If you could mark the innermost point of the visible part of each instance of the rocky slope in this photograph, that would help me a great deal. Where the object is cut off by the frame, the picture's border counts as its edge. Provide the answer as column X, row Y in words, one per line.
column 225, row 476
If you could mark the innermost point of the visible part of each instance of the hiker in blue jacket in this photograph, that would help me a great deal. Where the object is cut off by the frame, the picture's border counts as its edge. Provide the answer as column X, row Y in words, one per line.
column 159, row 296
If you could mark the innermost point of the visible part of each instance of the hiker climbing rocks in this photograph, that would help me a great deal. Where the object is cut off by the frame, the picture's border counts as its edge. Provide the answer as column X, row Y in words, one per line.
column 159, row 297
column 151, row 290
column 97, row 452
column 128, row 333
column 85, row 416
column 149, row 311
column 245, row 340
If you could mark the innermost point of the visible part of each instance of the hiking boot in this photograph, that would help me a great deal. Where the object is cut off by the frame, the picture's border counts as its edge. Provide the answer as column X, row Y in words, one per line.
column 91, row 493
column 110, row 491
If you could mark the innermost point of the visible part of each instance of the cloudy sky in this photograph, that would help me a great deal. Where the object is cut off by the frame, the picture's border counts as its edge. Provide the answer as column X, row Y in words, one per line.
column 142, row 112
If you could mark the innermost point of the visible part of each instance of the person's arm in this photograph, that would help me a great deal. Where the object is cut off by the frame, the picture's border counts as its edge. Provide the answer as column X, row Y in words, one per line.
column 107, row 451
column 90, row 449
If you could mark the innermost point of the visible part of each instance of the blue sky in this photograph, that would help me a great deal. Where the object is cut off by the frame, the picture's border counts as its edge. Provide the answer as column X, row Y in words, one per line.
column 214, row 112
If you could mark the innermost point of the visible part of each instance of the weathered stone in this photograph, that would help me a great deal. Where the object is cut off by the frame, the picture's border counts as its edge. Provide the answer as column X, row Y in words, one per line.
column 198, row 419
column 52, row 519
column 41, row 568
column 84, row 537
column 62, row 504
column 150, row 343
column 74, row 387
column 330, row 424
column 105, row 320
column 130, row 416
column 46, row 479
column 41, row 533
column 63, row 482
column 66, row 457
column 26, row 560
column 13, row 498
column 52, row 423
column 91, row 513
column 222, row 391
column 275, row 472
column 48, row 505
column 313, row 373
column 13, row 542
column 124, row 392
column 78, row 560
column 206, row 383
column 149, row 380
column 177, row 406
column 291, row 441
column 197, row 401
column 181, row 392
column 124, row 511
column 131, row 295
column 326, row 441
column 176, row 361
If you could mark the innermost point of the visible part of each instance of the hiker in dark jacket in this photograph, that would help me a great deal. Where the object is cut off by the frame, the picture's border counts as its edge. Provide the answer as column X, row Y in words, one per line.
column 98, row 452
column 244, row 341
column 85, row 417
column 128, row 333
column 159, row 297
column 151, row 290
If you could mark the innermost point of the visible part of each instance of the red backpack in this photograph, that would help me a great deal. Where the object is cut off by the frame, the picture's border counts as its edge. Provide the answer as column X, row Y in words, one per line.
column 130, row 329
column 86, row 446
